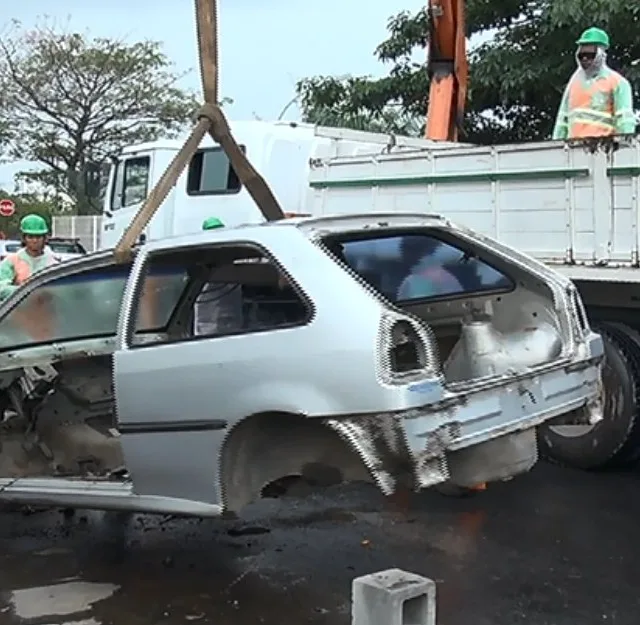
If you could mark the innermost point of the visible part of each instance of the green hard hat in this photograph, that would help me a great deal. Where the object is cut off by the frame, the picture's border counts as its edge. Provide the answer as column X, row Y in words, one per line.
column 595, row 36
column 211, row 223
column 34, row 225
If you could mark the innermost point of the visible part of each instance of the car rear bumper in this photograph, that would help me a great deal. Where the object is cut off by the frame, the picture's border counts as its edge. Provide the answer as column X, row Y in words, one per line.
column 426, row 438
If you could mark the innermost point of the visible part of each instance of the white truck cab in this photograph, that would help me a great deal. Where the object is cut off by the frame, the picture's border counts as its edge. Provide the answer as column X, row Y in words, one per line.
column 282, row 152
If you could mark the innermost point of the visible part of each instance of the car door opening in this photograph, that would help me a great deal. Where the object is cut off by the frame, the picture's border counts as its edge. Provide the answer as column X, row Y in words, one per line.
column 59, row 416
column 60, row 421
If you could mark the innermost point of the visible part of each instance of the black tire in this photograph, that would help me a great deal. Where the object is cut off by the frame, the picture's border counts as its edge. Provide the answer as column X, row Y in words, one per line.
column 614, row 442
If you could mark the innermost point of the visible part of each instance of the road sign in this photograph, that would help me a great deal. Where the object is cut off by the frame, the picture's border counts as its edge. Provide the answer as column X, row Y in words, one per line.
column 7, row 208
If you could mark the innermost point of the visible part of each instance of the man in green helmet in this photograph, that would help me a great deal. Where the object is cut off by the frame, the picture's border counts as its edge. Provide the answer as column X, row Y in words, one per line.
column 598, row 101
column 17, row 268
column 218, row 309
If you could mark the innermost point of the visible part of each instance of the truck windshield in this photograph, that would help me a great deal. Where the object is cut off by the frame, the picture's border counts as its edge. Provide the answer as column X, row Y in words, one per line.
column 411, row 266
column 130, row 182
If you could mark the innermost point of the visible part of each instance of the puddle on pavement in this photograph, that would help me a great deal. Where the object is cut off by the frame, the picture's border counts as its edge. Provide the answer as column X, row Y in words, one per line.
column 64, row 599
column 89, row 621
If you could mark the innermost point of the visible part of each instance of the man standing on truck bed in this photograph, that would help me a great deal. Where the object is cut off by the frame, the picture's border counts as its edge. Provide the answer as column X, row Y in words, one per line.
column 598, row 101
column 34, row 256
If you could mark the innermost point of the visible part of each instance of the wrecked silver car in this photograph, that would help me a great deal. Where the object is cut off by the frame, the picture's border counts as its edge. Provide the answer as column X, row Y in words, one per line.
column 396, row 349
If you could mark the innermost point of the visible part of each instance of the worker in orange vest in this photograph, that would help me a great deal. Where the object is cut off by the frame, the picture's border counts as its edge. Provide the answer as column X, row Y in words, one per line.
column 598, row 101
column 34, row 256
column 35, row 315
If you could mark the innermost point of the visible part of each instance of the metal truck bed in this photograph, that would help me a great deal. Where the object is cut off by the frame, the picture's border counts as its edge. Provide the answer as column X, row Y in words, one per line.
column 565, row 204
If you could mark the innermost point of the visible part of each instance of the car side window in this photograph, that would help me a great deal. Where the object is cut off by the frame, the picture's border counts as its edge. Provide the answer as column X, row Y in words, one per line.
column 229, row 289
column 82, row 305
column 86, row 305
column 414, row 266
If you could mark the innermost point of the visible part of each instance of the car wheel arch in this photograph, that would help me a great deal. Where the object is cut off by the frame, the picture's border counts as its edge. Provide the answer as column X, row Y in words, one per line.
column 265, row 447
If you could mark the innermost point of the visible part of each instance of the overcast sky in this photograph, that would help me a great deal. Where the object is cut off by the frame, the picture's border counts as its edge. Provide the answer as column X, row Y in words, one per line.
column 266, row 45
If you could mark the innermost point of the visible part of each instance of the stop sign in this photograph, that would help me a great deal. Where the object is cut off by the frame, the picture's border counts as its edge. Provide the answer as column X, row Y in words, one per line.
column 7, row 208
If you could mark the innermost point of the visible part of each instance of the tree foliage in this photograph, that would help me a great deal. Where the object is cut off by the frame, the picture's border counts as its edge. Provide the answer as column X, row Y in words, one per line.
column 26, row 203
column 70, row 102
column 516, row 77
column 354, row 103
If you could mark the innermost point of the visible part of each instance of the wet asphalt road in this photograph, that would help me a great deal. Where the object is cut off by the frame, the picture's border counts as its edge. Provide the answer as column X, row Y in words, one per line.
column 555, row 547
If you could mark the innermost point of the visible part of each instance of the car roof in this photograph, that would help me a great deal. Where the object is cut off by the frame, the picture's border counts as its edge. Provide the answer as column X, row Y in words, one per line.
column 307, row 225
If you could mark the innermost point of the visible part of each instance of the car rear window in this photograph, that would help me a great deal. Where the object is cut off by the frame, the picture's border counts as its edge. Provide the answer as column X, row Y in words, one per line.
column 415, row 266
column 11, row 248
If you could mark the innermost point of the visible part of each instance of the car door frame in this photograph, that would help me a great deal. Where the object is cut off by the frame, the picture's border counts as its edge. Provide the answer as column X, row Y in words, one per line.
column 151, row 447
column 166, row 455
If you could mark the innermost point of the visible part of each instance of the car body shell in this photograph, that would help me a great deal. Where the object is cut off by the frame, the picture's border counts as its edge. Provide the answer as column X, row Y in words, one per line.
column 182, row 407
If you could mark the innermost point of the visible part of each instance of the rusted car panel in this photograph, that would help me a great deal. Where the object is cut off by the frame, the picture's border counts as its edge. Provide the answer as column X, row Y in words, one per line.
column 397, row 349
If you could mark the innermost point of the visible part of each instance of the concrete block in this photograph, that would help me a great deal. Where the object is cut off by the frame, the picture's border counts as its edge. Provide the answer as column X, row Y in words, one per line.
column 393, row 597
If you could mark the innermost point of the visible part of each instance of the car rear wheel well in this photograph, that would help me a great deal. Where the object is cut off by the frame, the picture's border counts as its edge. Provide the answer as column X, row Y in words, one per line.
column 267, row 448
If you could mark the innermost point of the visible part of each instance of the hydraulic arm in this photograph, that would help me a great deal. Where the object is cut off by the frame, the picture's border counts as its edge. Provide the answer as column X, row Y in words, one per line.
column 448, row 69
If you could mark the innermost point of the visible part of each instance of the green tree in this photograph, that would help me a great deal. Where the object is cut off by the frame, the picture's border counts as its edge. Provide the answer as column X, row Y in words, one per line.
column 26, row 203
column 516, row 78
column 71, row 102
column 354, row 103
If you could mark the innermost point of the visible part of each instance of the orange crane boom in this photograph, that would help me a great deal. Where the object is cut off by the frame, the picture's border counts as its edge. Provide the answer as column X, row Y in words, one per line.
column 448, row 69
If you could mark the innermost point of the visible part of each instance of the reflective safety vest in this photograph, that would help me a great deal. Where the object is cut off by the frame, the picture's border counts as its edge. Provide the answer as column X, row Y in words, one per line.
column 591, row 107
column 443, row 282
column 429, row 282
column 22, row 269
column 36, row 314
column 598, row 107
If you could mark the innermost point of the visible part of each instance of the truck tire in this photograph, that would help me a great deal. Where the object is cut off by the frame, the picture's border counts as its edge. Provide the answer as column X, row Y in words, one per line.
column 614, row 442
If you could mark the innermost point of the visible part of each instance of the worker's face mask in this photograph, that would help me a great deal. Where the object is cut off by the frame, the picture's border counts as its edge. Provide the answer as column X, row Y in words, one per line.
column 591, row 59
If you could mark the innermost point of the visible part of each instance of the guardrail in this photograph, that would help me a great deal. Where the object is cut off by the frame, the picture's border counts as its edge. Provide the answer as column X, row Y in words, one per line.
column 393, row 597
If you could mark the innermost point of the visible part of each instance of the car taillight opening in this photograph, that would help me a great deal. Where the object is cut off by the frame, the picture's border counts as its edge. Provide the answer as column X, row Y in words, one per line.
column 407, row 351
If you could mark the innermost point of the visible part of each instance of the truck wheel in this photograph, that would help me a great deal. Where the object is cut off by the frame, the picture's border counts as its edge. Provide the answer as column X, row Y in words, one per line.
column 614, row 442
